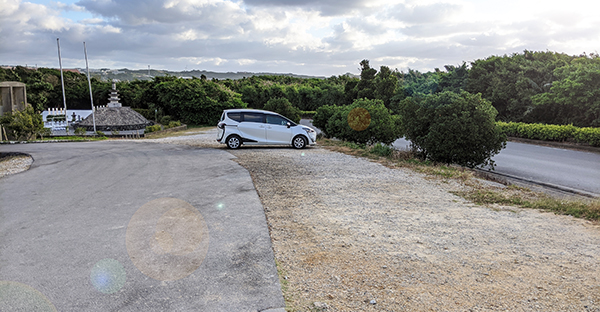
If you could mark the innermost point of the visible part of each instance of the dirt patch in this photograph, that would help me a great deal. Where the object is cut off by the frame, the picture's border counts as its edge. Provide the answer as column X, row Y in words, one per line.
column 356, row 236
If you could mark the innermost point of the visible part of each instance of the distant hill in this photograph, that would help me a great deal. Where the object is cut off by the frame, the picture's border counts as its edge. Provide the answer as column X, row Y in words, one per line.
column 125, row 74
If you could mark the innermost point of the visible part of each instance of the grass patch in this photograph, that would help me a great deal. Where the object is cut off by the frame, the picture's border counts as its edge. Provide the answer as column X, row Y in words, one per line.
column 476, row 193
column 74, row 138
column 285, row 288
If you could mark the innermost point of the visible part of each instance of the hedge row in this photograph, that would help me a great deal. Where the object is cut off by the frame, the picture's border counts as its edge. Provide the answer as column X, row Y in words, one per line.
column 558, row 133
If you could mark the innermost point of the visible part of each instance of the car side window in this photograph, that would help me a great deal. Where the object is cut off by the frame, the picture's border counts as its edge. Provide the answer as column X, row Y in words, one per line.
column 235, row 116
column 276, row 120
column 253, row 117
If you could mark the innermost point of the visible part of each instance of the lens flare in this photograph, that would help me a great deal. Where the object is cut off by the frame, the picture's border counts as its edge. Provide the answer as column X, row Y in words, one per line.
column 16, row 296
column 108, row 276
column 359, row 119
column 220, row 206
column 167, row 239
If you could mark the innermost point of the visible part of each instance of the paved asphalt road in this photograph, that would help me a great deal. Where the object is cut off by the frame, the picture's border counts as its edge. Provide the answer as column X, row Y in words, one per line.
column 568, row 169
column 121, row 226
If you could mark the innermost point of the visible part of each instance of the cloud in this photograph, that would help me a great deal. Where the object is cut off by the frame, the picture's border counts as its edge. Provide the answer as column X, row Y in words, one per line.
column 327, row 8
column 424, row 14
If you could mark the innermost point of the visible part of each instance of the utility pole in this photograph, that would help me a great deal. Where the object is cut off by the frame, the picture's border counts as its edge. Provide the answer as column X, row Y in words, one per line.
column 87, row 68
column 62, row 80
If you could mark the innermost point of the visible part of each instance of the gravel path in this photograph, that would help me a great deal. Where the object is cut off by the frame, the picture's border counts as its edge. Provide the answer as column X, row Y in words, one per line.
column 353, row 235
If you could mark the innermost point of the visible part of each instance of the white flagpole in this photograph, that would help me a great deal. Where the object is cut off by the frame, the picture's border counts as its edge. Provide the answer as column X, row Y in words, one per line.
column 62, row 80
column 87, row 68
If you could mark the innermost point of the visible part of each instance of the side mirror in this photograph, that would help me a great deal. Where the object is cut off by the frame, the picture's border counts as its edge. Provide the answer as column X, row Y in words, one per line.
column 288, row 124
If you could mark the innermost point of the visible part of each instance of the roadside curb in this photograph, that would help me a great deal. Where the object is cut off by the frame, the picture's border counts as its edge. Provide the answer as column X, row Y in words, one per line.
column 545, row 184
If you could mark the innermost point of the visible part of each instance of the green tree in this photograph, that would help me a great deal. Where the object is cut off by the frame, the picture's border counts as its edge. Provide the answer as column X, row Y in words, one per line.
column 386, row 84
column 365, row 121
column 453, row 128
column 23, row 125
column 284, row 107
column 575, row 97
column 194, row 101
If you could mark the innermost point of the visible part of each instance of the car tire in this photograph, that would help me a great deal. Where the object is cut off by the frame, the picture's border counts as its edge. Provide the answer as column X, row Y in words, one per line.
column 299, row 142
column 233, row 141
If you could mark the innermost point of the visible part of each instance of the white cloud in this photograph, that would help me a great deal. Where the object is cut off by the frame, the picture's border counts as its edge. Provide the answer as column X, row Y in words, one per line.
column 303, row 36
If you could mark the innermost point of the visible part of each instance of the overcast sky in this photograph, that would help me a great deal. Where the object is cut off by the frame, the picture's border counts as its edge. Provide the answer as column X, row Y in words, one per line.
column 312, row 37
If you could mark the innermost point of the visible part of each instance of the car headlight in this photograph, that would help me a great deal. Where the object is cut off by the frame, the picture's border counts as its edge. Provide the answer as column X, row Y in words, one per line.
column 309, row 130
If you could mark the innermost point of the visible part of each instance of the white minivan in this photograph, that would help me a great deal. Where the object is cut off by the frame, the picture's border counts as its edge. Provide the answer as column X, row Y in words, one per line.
column 253, row 126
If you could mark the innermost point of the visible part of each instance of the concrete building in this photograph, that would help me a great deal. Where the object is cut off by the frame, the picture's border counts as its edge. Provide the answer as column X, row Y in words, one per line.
column 13, row 97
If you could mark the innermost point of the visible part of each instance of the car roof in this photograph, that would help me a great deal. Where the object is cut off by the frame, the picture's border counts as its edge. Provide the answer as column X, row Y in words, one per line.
column 250, row 110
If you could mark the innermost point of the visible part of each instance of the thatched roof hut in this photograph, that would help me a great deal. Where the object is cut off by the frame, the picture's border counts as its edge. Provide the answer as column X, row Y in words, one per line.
column 115, row 118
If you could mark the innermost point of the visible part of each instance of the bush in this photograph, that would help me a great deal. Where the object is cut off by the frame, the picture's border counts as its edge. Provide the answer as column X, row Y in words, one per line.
column 80, row 131
column 381, row 150
column 543, row 132
column 23, row 125
column 453, row 128
column 322, row 116
column 165, row 120
column 147, row 113
column 114, row 132
column 284, row 107
column 154, row 128
column 100, row 134
column 588, row 135
column 173, row 124
column 364, row 122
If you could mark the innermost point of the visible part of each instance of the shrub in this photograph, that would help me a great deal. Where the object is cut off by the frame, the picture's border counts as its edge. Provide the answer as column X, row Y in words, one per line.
column 381, row 150
column 114, row 132
column 322, row 116
column 365, row 122
column 284, row 107
column 23, row 125
column 80, row 131
column 453, row 128
column 543, row 132
column 153, row 128
column 100, row 134
column 165, row 120
column 588, row 135
column 173, row 124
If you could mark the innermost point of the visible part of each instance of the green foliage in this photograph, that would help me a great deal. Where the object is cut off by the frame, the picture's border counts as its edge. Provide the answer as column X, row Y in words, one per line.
column 153, row 128
column 147, row 113
column 284, row 107
column 173, row 124
column 80, row 131
column 114, row 132
column 307, row 114
column 23, row 125
column 544, row 132
column 510, row 82
column 574, row 97
column 100, row 134
column 195, row 101
column 452, row 128
column 454, row 79
column 322, row 116
column 347, row 123
column 165, row 120
column 381, row 150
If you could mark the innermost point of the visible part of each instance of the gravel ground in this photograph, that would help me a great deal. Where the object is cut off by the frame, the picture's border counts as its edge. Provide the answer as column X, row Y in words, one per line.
column 14, row 164
column 352, row 235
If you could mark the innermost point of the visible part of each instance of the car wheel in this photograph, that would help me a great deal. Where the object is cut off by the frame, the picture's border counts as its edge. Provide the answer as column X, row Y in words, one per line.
column 299, row 142
column 234, row 141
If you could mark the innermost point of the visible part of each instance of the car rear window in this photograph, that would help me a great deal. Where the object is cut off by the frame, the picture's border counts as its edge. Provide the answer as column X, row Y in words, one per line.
column 235, row 116
column 253, row 117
